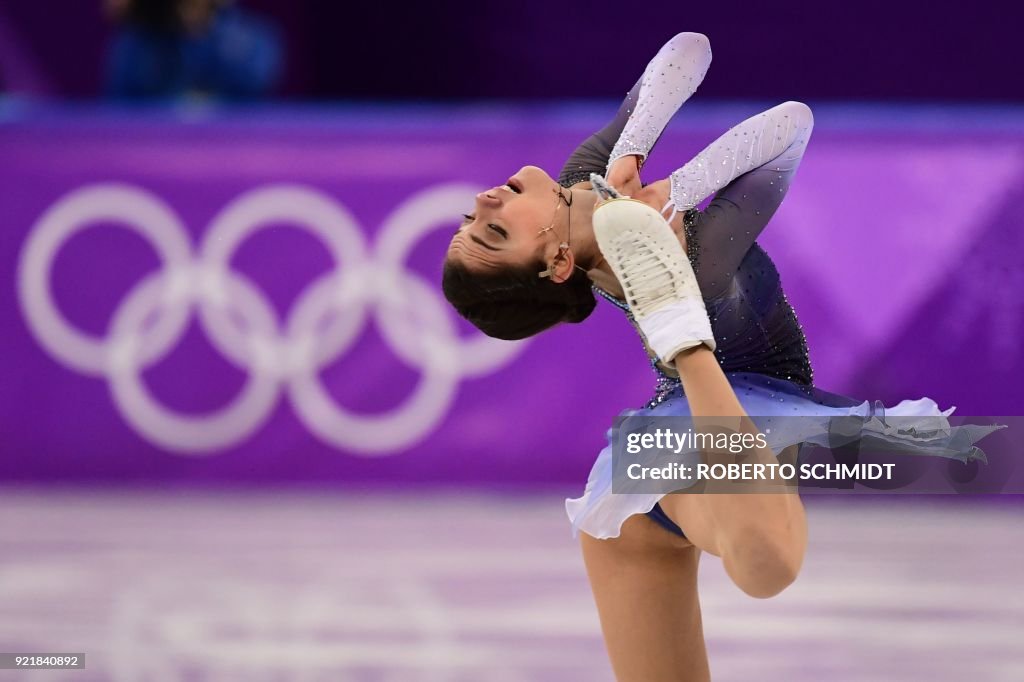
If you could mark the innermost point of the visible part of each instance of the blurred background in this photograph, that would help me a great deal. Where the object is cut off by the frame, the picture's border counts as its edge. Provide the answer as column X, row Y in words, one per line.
column 227, row 457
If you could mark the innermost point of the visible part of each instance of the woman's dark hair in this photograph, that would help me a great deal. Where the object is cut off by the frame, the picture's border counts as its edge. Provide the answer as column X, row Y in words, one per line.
column 515, row 303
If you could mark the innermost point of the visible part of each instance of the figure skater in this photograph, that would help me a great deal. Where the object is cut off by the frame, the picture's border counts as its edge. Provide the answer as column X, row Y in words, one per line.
column 529, row 258
column 645, row 580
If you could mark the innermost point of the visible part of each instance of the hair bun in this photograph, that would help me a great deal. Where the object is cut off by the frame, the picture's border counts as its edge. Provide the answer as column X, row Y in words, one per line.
column 514, row 303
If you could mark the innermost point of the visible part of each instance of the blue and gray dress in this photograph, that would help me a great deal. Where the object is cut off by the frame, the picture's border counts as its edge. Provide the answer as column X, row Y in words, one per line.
column 760, row 344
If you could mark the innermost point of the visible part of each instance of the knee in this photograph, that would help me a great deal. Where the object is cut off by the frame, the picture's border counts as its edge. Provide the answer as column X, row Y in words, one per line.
column 763, row 568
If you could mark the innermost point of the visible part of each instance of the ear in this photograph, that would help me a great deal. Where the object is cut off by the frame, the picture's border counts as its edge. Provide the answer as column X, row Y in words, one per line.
column 564, row 264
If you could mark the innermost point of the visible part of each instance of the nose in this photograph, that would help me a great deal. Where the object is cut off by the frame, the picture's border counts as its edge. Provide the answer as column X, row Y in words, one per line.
column 488, row 199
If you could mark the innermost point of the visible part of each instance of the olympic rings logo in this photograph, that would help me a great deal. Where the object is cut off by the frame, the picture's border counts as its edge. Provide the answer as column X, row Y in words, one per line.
column 324, row 322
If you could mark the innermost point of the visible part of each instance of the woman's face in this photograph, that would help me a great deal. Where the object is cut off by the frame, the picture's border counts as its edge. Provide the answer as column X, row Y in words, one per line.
column 502, row 229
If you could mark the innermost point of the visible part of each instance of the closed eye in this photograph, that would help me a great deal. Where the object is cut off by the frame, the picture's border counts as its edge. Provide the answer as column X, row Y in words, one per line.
column 497, row 229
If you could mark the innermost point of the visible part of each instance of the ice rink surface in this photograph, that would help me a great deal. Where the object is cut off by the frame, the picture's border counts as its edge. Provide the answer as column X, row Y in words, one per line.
column 304, row 587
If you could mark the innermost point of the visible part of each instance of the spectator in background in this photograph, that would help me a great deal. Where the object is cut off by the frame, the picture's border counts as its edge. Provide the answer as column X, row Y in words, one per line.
column 168, row 49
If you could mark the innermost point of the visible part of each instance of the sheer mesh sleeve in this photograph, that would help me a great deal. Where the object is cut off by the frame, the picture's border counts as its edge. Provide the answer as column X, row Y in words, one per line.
column 670, row 78
column 750, row 167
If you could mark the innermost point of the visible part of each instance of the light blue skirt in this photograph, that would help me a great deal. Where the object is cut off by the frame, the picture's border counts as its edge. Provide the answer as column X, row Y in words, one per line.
column 913, row 427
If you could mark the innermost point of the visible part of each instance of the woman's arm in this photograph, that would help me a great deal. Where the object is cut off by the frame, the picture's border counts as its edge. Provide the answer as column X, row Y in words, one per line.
column 750, row 167
column 591, row 156
column 668, row 81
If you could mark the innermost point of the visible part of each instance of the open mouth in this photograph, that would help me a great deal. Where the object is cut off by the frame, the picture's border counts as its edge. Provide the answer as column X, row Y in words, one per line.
column 514, row 186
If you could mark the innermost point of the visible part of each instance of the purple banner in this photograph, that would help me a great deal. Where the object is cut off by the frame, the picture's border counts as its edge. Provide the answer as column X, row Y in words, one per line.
column 255, row 297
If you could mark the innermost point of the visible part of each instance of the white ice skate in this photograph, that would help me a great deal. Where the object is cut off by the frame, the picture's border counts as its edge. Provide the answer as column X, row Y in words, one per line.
column 659, row 284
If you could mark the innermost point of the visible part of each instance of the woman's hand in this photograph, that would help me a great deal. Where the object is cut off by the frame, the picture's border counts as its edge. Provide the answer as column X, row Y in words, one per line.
column 624, row 175
column 657, row 195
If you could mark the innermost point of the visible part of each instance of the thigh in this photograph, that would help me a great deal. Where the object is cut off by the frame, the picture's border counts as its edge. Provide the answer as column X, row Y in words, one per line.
column 645, row 587
column 690, row 512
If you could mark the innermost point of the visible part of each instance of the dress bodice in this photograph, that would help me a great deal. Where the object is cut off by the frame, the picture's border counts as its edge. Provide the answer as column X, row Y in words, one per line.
column 756, row 329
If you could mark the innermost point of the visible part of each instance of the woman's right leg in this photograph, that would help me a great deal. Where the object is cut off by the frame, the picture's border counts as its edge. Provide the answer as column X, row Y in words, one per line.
column 645, row 587
column 761, row 532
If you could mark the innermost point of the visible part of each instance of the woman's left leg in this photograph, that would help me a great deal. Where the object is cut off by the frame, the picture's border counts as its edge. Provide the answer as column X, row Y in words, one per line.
column 645, row 587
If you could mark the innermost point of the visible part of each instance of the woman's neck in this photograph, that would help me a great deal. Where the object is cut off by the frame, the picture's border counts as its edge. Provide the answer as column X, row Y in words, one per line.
column 584, row 245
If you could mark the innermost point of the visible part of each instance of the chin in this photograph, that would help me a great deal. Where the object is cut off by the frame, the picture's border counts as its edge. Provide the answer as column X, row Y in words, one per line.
column 534, row 177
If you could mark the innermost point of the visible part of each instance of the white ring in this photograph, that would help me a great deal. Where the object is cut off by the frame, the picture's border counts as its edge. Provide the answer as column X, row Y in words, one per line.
column 237, row 316
column 192, row 435
column 135, row 208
